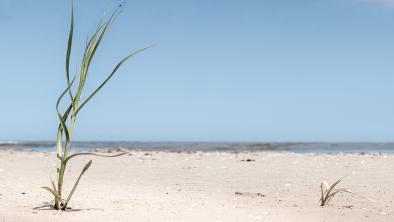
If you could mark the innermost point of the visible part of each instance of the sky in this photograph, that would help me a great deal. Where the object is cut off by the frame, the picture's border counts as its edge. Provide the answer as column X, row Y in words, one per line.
column 222, row 70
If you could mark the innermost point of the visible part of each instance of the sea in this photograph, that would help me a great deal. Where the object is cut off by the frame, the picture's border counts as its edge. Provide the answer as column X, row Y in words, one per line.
column 300, row 147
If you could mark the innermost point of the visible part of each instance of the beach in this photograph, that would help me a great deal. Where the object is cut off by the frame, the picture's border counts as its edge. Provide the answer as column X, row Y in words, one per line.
column 200, row 186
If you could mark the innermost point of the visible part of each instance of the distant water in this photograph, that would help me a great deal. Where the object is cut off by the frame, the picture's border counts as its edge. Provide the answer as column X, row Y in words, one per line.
column 208, row 146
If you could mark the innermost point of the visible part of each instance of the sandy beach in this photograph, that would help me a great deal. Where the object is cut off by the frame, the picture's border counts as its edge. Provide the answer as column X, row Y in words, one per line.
column 200, row 186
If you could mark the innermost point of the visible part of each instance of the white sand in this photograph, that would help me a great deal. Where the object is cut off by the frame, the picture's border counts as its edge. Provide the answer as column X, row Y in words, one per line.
column 200, row 187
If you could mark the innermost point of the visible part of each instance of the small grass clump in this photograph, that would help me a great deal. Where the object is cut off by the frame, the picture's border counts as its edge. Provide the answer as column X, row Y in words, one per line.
column 328, row 192
column 76, row 103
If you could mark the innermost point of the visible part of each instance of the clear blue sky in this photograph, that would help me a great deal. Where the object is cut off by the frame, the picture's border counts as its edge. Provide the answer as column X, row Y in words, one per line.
column 223, row 70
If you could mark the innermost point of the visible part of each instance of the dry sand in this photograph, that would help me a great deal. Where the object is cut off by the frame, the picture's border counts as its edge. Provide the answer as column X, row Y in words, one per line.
column 160, row 186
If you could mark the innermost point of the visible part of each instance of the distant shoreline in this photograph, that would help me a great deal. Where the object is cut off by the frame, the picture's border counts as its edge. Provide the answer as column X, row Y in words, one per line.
column 301, row 147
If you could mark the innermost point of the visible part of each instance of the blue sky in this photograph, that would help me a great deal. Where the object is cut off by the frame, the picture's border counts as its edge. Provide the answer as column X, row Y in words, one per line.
column 257, row 70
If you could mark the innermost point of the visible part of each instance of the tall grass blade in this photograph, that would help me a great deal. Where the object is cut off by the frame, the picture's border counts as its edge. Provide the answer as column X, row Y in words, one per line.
column 69, row 47
column 110, row 76
column 93, row 44
column 62, row 121
column 76, row 183
column 331, row 189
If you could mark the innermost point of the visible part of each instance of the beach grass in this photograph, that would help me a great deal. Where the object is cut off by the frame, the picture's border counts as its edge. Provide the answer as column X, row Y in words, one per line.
column 328, row 192
column 68, row 117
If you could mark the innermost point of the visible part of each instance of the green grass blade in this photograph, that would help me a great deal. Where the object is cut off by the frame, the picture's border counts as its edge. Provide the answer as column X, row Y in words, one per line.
column 103, row 28
column 62, row 121
column 89, row 53
column 93, row 154
column 76, row 183
column 322, row 192
column 57, row 199
column 52, row 192
column 59, row 144
column 109, row 77
column 332, row 188
column 329, row 197
column 69, row 47
column 53, row 185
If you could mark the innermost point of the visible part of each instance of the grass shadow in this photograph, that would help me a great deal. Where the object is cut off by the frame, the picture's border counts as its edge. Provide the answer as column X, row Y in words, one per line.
column 51, row 207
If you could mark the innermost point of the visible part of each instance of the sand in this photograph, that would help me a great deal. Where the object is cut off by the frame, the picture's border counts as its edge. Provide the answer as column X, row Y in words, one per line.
column 215, row 186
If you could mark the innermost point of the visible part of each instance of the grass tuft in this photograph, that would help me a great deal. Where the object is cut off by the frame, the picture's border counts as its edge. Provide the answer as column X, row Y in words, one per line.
column 328, row 192
column 76, row 103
